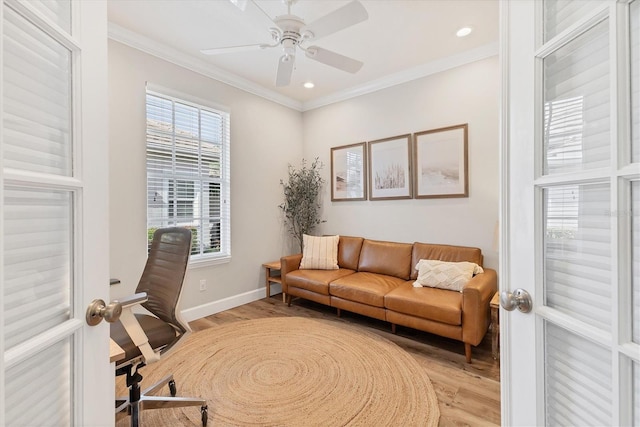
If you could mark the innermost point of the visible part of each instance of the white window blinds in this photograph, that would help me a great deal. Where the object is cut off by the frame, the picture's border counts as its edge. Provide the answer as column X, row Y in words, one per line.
column 37, row 99
column 59, row 11
column 38, row 390
column 576, row 102
column 577, row 380
column 577, row 256
column 188, row 172
column 561, row 14
column 37, row 262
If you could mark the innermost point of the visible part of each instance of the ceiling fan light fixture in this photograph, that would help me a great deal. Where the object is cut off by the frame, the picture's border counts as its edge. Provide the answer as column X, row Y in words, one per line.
column 464, row 31
column 309, row 85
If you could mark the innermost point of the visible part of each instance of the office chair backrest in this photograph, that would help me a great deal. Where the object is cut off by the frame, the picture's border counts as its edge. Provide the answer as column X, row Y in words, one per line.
column 164, row 273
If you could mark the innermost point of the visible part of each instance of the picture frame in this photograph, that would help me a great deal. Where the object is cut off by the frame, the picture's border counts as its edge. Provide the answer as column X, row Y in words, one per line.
column 349, row 172
column 441, row 162
column 390, row 168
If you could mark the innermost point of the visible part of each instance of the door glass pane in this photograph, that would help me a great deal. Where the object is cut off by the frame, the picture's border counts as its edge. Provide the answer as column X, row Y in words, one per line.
column 59, row 11
column 38, row 390
column 36, row 99
column 576, row 104
column 577, row 258
column 635, row 250
column 577, row 380
column 634, row 18
column 561, row 14
column 37, row 262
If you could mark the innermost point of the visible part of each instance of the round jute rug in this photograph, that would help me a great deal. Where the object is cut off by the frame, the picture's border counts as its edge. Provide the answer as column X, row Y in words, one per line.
column 292, row 371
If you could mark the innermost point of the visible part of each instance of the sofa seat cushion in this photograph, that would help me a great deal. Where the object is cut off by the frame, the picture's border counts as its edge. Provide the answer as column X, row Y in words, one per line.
column 315, row 280
column 365, row 288
column 435, row 304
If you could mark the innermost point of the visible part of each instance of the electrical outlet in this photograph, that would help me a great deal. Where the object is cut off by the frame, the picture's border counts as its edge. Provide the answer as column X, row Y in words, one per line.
column 203, row 285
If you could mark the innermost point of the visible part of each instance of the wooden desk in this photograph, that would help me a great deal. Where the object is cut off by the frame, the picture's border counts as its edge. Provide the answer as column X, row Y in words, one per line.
column 275, row 278
column 115, row 351
column 495, row 325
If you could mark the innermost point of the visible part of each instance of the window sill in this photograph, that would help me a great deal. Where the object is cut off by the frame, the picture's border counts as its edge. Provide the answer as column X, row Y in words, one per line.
column 208, row 262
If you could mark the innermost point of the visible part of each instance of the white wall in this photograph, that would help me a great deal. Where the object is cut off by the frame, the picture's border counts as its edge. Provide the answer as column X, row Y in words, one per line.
column 265, row 136
column 466, row 94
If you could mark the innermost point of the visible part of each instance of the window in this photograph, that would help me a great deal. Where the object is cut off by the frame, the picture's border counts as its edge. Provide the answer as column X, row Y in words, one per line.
column 188, row 173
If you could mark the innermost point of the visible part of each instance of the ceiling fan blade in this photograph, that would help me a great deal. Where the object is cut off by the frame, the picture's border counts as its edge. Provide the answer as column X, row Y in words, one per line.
column 285, row 69
column 240, row 4
column 346, row 16
column 249, row 7
column 333, row 59
column 234, row 49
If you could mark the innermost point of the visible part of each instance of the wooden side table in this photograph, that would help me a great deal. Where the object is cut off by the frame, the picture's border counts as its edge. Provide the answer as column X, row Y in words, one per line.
column 275, row 278
column 495, row 325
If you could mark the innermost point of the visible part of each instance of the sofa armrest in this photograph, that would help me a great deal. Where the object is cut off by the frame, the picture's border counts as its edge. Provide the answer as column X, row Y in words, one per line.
column 476, row 297
column 288, row 263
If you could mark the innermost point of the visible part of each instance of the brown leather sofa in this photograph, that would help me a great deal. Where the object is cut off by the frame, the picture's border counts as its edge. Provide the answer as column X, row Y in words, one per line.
column 375, row 279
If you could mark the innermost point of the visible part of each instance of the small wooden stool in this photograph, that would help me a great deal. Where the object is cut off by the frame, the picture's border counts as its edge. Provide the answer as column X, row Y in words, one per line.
column 495, row 325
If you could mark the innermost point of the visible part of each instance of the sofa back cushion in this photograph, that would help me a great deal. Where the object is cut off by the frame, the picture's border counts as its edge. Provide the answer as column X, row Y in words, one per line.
column 349, row 252
column 443, row 253
column 390, row 258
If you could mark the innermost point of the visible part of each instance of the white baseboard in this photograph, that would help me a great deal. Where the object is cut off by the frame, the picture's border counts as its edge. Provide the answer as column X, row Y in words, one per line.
column 204, row 310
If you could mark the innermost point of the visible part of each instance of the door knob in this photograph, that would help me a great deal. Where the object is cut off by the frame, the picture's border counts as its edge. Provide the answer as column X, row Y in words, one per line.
column 98, row 310
column 519, row 299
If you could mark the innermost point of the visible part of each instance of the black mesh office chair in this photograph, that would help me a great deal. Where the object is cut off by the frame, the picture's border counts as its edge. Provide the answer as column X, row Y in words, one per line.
column 147, row 338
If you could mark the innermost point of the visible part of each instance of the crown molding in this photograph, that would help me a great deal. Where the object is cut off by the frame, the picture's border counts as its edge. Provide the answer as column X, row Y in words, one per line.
column 424, row 70
column 162, row 51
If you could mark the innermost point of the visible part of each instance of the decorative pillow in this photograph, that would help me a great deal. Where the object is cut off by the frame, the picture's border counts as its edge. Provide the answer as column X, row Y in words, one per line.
column 319, row 253
column 445, row 275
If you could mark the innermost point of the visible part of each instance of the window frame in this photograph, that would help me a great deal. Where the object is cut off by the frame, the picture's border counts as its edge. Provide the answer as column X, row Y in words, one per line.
column 201, row 259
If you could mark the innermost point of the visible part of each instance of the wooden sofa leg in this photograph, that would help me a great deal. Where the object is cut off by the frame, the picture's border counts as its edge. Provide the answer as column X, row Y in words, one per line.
column 338, row 312
column 393, row 328
column 467, row 352
column 289, row 300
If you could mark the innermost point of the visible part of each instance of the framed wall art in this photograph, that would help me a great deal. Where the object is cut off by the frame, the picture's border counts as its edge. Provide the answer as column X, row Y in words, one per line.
column 348, row 172
column 389, row 168
column 441, row 163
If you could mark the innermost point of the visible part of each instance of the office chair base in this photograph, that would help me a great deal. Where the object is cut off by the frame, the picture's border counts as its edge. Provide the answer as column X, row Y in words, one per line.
column 138, row 401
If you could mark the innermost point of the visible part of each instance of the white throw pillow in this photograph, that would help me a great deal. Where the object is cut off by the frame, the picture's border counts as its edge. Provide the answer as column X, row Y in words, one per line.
column 445, row 275
column 319, row 253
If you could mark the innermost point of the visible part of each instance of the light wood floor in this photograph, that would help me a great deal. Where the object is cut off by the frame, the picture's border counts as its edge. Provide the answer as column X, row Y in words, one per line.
column 468, row 394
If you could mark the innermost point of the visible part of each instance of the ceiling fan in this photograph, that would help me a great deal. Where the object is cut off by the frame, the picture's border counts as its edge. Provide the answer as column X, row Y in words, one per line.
column 290, row 31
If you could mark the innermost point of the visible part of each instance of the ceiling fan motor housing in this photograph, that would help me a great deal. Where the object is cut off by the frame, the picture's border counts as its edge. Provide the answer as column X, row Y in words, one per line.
column 289, row 30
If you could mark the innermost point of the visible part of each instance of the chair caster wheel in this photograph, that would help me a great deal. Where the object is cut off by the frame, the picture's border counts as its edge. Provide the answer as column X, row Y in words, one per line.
column 205, row 415
column 172, row 388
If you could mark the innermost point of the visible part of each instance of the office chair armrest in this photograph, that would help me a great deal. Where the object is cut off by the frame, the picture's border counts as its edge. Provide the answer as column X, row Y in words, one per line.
column 132, row 300
column 133, row 328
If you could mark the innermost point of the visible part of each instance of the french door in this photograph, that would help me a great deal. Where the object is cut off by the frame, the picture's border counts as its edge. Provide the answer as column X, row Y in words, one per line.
column 570, row 219
column 55, row 369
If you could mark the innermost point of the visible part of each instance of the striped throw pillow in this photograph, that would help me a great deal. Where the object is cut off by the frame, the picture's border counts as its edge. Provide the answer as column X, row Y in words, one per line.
column 319, row 253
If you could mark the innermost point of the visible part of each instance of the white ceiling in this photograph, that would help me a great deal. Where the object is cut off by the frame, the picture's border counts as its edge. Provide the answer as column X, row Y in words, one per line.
column 399, row 36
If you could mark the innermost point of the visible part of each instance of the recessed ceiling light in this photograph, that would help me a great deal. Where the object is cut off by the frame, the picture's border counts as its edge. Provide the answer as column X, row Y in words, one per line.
column 309, row 85
column 464, row 31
